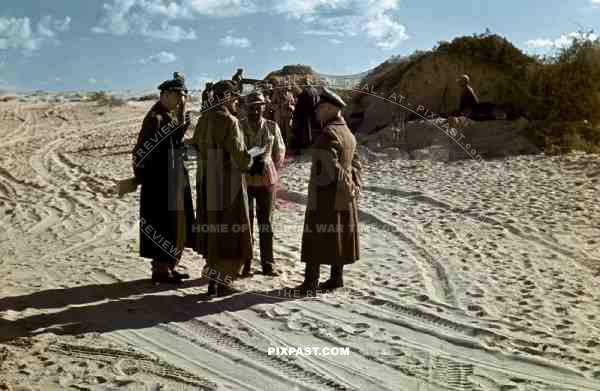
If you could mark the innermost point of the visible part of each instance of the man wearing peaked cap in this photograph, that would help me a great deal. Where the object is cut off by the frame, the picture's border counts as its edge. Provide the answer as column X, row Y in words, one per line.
column 329, row 96
column 166, row 209
column 224, row 89
column 177, row 84
column 223, row 234
column 330, row 234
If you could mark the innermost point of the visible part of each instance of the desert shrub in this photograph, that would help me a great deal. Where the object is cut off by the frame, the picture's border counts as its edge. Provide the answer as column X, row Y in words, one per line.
column 147, row 97
column 486, row 48
column 563, row 137
column 103, row 98
column 566, row 86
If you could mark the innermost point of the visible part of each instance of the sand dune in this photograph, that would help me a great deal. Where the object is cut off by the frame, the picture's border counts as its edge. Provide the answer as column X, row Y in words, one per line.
column 473, row 276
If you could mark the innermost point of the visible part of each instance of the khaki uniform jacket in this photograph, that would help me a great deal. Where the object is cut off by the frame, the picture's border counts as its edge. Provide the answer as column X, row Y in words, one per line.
column 269, row 136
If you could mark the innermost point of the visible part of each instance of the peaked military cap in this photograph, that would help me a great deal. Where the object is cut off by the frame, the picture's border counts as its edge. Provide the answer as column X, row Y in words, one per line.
column 255, row 97
column 329, row 96
column 176, row 84
column 224, row 87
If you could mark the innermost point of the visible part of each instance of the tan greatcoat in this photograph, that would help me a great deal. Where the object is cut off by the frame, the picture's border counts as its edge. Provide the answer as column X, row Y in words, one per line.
column 223, row 222
column 331, row 219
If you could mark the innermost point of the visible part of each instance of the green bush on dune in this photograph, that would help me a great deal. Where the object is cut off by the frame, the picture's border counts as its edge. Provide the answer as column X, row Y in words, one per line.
column 565, row 98
column 559, row 94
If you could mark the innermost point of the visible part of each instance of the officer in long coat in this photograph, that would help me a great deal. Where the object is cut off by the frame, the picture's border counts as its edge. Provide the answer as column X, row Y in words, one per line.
column 330, row 234
column 166, row 209
column 223, row 222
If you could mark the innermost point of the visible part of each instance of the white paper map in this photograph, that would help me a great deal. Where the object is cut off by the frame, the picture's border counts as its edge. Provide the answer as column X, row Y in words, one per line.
column 256, row 151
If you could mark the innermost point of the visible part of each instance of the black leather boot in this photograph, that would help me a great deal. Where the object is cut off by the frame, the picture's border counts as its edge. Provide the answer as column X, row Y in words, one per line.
column 181, row 276
column 269, row 270
column 336, row 280
column 161, row 273
column 311, row 279
column 225, row 289
column 212, row 288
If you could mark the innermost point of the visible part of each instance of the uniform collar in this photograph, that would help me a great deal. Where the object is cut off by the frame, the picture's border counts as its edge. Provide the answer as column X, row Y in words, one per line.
column 336, row 121
column 161, row 108
column 261, row 123
column 224, row 109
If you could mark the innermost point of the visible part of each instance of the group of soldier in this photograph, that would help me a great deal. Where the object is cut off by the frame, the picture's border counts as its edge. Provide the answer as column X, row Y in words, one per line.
column 291, row 106
column 240, row 162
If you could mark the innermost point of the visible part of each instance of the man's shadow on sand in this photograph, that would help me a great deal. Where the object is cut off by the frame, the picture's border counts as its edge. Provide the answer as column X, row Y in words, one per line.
column 62, row 297
column 118, row 314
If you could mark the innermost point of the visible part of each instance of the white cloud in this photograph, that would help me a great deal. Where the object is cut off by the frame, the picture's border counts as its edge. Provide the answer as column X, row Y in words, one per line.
column 18, row 33
column 226, row 60
column 298, row 9
column 595, row 3
column 237, row 42
column 540, row 43
column 373, row 18
column 563, row 41
column 159, row 58
column 335, row 41
column 221, row 8
column 286, row 47
column 323, row 32
column 136, row 17
column 47, row 25
column 338, row 18
column 91, row 80
column 167, row 32
column 386, row 32
column 121, row 17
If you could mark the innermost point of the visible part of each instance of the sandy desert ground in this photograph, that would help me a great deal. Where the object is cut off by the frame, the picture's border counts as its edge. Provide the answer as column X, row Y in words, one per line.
column 473, row 276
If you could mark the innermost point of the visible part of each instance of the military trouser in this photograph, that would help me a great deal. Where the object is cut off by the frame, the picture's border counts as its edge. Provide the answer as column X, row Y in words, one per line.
column 264, row 212
column 163, row 265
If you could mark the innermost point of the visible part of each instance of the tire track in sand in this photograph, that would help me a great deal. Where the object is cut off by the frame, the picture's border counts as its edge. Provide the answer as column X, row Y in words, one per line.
column 436, row 278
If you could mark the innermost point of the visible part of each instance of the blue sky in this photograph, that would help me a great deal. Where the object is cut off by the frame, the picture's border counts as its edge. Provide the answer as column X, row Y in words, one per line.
column 66, row 45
